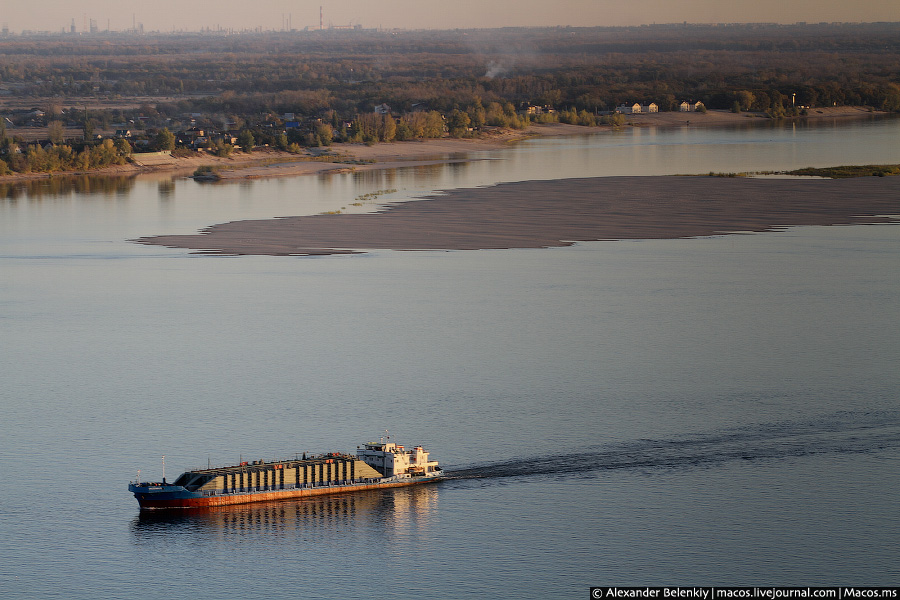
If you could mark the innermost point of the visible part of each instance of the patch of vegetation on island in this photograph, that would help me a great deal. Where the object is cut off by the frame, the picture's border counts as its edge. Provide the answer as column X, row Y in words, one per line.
column 847, row 171
column 207, row 173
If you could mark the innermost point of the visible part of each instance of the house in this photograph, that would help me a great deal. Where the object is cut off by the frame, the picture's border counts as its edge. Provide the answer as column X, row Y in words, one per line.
column 627, row 109
column 123, row 133
column 539, row 110
column 382, row 109
column 194, row 132
column 690, row 106
column 650, row 108
column 225, row 137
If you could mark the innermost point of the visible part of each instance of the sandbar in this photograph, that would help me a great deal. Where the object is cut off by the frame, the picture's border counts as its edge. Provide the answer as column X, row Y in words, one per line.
column 540, row 214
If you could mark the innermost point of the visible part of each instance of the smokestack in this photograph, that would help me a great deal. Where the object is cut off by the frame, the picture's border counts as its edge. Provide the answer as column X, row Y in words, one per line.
column 321, row 18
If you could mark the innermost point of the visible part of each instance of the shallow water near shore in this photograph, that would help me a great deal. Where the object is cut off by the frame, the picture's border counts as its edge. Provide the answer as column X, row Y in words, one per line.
column 705, row 411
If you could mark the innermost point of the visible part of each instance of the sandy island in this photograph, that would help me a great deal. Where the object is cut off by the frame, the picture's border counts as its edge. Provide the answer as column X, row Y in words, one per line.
column 537, row 214
column 528, row 214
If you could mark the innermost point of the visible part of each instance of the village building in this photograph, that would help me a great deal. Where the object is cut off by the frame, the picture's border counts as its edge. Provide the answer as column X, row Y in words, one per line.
column 627, row 109
column 690, row 106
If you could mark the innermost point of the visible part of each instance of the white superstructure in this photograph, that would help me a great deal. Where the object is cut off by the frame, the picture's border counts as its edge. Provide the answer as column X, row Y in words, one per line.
column 396, row 461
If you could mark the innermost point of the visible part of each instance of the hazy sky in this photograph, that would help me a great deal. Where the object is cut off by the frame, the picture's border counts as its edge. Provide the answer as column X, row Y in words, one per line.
column 166, row 15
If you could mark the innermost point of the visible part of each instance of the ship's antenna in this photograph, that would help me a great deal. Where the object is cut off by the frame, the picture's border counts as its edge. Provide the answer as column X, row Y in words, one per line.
column 139, row 476
column 164, row 468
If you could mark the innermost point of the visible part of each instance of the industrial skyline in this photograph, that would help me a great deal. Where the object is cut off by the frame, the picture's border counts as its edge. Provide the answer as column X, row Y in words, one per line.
column 60, row 16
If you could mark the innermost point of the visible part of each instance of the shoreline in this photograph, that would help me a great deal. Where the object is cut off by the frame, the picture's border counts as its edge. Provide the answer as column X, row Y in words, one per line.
column 542, row 214
column 360, row 157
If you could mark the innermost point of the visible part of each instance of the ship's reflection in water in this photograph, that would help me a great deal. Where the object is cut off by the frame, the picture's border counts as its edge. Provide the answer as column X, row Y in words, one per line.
column 385, row 511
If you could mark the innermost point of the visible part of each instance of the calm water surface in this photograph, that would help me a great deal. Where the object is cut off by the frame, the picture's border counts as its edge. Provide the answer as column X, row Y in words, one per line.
column 697, row 412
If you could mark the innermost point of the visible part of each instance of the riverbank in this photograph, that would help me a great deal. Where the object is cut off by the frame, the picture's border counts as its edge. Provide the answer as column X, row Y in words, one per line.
column 267, row 162
column 540, row 214
column 361, row 157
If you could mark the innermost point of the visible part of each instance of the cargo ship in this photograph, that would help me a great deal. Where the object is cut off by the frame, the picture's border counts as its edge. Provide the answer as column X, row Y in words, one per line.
column 376, row 465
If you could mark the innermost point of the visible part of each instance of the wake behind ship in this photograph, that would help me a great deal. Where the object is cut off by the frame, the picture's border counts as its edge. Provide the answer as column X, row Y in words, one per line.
column 376, row 465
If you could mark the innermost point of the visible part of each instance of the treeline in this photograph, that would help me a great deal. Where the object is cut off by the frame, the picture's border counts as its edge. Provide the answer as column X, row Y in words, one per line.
column 62, row 157
column 591, row 69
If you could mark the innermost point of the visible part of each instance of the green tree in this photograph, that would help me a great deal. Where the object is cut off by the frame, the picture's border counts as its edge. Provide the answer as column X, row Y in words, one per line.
column 246, row 141
column 224, row 150
column 477, row 114
column 325, row 133
column 404, row 131
column 745, row 99
column 458, row 123
column 164, row 140
column 123, row 148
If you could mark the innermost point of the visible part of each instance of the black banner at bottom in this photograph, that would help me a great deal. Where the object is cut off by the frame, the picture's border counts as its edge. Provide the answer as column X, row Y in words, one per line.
column 747, row 593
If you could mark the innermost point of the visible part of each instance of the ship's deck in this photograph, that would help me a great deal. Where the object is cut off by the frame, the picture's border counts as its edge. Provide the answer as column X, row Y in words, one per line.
column 261, row 465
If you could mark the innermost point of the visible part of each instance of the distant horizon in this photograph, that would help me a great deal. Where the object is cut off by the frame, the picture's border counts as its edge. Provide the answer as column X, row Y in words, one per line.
column 168, row 16
column 141, row 29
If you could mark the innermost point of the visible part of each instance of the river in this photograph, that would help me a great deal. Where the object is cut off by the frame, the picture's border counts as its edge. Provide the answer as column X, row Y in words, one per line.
column 709, row 411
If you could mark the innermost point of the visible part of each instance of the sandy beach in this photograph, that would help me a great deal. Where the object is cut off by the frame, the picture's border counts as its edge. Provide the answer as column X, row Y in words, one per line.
column 361, row 157
column 267, row 162
column 537, row 214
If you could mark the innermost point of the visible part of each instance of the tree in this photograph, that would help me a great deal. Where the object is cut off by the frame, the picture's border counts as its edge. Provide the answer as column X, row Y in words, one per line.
column 56, row 131
column 434, row 125
column 477, row 114
column 246, row 141
column 388, row 128
column 458, row 123
column 164, row 140
column 404, row 131
column 123, row 148
column 224, row 150
column 325, row 133
column 745, row 99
